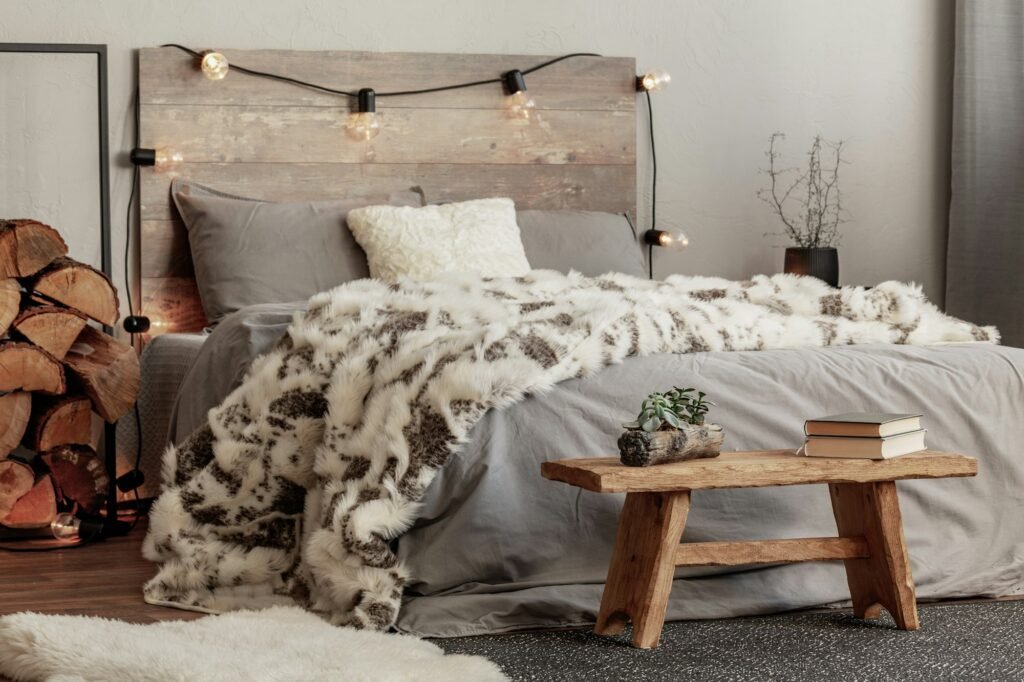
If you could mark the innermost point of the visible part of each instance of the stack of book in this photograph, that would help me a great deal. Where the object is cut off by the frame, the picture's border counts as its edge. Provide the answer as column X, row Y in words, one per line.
column 864, row 435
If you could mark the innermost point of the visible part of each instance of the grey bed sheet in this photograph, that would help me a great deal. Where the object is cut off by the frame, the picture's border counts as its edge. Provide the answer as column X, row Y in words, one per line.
column 497, row 548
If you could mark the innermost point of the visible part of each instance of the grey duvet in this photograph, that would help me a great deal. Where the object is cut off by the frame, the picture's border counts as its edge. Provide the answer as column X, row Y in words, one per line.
column 497, row 548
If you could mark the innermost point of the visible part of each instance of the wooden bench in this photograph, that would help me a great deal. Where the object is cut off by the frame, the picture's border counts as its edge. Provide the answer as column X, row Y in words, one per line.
column 648, row 549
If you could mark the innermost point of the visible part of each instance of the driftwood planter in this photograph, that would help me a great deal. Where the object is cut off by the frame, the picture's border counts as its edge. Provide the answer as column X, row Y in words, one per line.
column 638, row 448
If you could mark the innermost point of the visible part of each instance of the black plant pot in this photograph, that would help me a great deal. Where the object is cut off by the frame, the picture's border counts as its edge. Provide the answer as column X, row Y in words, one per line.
column 816, row 262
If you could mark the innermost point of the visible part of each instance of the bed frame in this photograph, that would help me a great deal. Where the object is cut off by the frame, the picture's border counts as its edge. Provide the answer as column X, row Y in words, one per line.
column 271, row 140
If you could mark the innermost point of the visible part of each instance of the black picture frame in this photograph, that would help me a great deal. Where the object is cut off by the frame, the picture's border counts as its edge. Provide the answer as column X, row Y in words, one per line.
column 111, row 525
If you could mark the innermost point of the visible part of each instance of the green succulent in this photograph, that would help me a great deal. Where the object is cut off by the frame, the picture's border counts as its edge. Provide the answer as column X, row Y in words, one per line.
column 671, row 409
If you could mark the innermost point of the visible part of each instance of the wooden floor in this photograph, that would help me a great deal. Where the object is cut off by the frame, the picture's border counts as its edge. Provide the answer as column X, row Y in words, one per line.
column 100, row 579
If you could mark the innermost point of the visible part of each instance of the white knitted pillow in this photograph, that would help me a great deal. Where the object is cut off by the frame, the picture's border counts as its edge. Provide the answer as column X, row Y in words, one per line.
column 478, row 236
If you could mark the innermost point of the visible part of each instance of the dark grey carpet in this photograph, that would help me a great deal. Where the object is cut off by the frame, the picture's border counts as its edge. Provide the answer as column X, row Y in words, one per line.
column 976, row 641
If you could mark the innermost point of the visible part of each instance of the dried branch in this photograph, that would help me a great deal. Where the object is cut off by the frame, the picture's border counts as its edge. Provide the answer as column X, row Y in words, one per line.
column 811, row 217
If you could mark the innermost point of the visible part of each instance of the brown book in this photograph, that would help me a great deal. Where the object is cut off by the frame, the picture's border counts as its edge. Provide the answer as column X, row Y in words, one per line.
column 863, row 425
column 865, row 448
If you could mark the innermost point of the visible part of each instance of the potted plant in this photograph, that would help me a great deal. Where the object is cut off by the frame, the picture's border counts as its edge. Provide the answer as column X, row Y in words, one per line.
column 809, row 204
column 670, row 428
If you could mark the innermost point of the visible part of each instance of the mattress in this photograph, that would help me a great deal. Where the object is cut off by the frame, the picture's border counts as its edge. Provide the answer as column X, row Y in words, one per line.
column 165, row 362
column 497, row 548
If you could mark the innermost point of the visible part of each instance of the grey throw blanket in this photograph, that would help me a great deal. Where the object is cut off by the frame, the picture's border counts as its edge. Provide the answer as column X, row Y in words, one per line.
column 302, row 476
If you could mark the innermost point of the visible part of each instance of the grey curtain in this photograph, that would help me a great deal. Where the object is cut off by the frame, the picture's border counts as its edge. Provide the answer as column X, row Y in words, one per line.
column 985, row 256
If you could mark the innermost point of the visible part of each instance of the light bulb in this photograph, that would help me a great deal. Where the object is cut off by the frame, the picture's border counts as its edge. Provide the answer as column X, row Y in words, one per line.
column 520, row 105
column 653, row 80
column 673, row 239
column 65, row 526
column 214, row 65
column 167, row 158
column 363, row 125
column 668, row 239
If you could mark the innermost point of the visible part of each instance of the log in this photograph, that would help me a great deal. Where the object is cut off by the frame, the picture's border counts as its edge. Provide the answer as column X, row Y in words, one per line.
column 108, row 371
column 78, row 474
column 52, row 328
column 23, row 367
column 62, row 421
column 27, row 246
column 78, row 286
column 10, row 303
column 16, row 479
column 15, row 411
column 35, row 509
column 639, row 448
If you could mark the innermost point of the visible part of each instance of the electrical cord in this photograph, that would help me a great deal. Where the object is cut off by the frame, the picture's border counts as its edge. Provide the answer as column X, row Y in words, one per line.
column 137, row 106
column 47, row 548
column 395, row 93
column 654, row 184
column 83, row 540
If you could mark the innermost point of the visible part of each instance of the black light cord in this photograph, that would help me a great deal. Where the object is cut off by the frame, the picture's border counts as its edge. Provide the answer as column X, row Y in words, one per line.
column 395, row 93
column 137, row 107
column 83, row 540
column 47, row 548
column 265, row 74
column 128, row 242
column 654, row 185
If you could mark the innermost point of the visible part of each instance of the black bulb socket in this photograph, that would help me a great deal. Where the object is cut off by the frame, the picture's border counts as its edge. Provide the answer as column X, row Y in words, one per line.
column 129, row 481
column 653, row 237
column 367, row 101
column 136, row 324
column 514, row 82
column 140, row 156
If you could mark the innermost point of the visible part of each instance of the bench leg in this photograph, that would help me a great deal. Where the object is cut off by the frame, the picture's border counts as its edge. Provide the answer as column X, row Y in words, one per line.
column 640, row 575
column 882, row 579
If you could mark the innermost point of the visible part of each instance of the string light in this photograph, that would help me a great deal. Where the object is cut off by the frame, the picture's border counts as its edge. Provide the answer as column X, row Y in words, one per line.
column 518, row 103
column 672, row 239
column 65, row 526
column 669, row 239
column 161, row 158
column 363, row 124
column 214, row 65
column 653, row 80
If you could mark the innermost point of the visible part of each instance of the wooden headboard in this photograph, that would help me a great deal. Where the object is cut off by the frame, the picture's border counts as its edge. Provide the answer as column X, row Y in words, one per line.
column 271, row 140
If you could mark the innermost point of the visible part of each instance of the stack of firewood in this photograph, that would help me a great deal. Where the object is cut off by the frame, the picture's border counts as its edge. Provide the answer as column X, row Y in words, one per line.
column 56, row 369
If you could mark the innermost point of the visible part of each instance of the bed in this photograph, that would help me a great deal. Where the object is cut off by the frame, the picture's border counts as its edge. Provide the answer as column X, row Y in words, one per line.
column 494, row 547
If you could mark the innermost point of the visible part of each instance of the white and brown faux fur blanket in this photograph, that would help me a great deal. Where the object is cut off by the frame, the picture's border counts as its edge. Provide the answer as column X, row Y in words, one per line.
column 304, row 474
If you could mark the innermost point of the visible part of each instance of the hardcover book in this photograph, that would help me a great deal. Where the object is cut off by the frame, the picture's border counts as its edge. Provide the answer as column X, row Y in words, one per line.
column 865, row 448
column 863, row 424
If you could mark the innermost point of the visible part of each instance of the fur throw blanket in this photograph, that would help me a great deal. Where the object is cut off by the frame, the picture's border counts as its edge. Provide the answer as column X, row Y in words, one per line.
column 293, row 490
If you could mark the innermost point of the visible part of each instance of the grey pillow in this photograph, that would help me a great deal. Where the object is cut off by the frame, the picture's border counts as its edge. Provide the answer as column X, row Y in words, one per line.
column 247, row 251
column 590, row 242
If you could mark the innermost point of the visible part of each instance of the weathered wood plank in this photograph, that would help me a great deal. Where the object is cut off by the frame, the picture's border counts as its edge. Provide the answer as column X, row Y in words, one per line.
column 282, row 134
column 167, row 251
column 171, row 77
column 172, row 304
column 770, row 551
column 754, row 469
column 609, row 188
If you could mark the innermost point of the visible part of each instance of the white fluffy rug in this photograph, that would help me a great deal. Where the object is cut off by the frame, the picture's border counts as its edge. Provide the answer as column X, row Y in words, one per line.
column 280, row 643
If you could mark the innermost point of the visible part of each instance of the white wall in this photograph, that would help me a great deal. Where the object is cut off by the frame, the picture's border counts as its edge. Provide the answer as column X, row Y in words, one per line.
column 873, row 72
